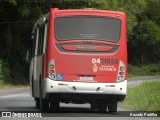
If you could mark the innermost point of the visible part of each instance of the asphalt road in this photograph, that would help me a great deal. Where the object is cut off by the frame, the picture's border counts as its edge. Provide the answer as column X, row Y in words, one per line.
column 20, row 100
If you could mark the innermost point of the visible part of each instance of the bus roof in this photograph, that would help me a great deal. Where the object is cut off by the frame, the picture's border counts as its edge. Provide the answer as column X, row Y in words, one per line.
column 89, row 10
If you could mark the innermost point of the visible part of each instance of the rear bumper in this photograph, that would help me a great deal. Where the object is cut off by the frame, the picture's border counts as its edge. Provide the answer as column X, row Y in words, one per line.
column 50, row 86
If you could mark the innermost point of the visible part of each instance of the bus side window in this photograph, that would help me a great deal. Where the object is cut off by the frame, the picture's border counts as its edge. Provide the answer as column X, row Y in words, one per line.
column 45, row 37
column 41, row 39
column 33, row 46
column 36, row 42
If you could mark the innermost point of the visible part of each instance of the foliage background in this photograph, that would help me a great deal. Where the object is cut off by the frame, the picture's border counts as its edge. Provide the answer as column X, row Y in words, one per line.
column 18, row 17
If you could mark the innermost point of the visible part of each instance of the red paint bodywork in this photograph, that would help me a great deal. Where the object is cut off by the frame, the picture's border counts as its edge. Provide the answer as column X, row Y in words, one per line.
column 73, row 65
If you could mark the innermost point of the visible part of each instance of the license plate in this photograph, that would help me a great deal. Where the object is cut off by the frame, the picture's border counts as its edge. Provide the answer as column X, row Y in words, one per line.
column 84, row 78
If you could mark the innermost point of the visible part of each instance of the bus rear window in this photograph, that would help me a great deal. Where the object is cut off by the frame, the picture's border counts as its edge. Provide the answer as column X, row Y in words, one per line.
column 87, row 28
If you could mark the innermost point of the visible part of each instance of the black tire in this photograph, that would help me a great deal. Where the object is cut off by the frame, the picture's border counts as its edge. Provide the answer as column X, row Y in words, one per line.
column 93, row 105
column 112, row 107
column 32, row 88
column 102, row 105
column 54, row 104
column 37, row 103
column 44, row 103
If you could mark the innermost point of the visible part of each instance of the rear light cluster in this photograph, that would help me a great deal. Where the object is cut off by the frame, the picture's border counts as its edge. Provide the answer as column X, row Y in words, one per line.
column 121, row 72
column 51, row 70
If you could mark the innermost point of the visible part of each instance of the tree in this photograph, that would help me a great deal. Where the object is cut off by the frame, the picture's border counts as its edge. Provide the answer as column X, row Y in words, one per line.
column 145, row 38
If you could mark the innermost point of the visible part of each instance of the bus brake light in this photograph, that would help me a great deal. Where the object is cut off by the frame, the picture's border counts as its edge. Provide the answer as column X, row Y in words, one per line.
column 121, row 72
column 51, row 70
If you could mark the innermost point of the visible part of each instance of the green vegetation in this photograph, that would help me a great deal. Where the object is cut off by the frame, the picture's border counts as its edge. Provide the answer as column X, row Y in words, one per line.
column 10, row 86
column 8, row 78
column 145, row 70
column 6, row 82
column 145, row 97
column 18, row 17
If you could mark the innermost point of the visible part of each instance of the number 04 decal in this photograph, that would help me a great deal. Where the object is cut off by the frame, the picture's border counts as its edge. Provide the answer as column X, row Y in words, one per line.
column 104, row 61
column 94, row 60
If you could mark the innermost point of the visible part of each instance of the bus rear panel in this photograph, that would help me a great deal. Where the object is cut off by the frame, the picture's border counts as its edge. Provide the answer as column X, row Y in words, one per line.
column 85, row 59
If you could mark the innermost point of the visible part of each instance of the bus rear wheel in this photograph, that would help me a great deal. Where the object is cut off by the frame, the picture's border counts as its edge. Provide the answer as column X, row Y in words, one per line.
column 112, row 107
column 93, row 104
column 37, row 103
column 44, row 105
column 102, row 105
column 54, row 104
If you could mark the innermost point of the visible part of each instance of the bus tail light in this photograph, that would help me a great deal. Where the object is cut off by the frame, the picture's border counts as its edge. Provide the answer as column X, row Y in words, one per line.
column 51, row 70
column 121, row 72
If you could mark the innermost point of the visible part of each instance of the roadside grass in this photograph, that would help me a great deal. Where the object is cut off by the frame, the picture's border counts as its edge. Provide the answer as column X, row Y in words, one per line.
column 10, row 86
column 145, row 97
column 146, row 70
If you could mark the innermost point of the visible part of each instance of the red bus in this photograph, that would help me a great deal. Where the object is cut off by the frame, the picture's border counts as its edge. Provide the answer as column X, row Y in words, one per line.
column 79, row 56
